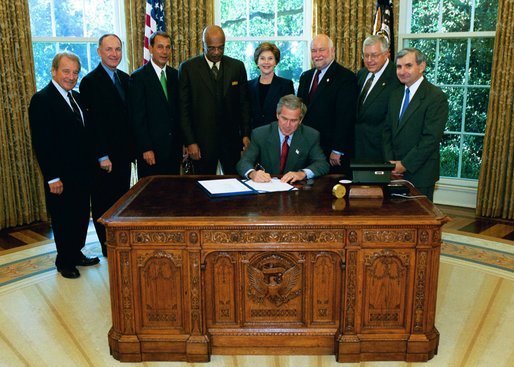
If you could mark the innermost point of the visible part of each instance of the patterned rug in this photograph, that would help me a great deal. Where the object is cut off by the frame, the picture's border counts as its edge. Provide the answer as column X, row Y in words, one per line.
column 27, row 264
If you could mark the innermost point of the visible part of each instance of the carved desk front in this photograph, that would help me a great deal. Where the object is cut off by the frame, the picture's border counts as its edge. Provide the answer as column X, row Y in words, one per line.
column 283, row 273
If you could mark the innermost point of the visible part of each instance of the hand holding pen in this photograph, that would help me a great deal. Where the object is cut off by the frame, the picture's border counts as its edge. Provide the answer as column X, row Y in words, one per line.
column 259, row 174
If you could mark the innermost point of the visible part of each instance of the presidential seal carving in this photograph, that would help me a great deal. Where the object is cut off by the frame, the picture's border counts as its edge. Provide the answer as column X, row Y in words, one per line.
column 274, row 278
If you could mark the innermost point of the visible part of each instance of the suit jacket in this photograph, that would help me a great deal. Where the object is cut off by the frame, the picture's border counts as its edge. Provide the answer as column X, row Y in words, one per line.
column 416, row 138
column 108, row 115
column 279, row 87
column 61, row 143
column 304, row 151
column 154, row 118
column 199, row 108
column 371, row 115
column 332, row 108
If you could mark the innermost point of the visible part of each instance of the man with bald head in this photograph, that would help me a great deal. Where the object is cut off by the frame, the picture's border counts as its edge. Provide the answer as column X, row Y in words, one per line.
column 330, row 92
column 214, row 107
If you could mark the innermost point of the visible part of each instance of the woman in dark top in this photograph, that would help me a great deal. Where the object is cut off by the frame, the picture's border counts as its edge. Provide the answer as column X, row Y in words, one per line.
column 266, row 90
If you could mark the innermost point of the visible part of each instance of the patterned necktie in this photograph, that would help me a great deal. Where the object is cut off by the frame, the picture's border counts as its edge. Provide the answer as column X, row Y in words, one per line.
column 119, row 87
column 75, row 109
column 366, row 89
column 405, row 102
column 283, row 154
column 215, row 71
column 163, row 84
column 314, row 86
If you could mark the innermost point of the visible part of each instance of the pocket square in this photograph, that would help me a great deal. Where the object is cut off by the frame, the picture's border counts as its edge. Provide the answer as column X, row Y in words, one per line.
column 235, row 82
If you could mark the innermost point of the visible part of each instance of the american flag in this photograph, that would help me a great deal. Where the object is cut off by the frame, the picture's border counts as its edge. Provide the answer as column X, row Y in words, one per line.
column 383, row 24
column 154, row 22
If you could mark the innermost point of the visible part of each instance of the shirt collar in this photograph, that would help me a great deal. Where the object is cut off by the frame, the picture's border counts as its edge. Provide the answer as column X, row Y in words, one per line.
column 210, row 63
column 158, row 69
column 108, row 70
column 414, row 87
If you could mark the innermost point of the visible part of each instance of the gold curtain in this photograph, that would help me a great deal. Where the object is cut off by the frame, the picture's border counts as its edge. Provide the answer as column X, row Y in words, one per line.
column 185, row 21
column 21, row 193
column 347, row 23
column 495, row 197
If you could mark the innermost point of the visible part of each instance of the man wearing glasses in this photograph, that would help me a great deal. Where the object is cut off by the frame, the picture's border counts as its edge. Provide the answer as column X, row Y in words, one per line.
column 214, row 108
column 376, row 80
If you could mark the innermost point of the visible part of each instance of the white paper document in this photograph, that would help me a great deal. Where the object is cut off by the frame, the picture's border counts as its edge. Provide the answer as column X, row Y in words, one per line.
column 275, row 185
column 225, row 186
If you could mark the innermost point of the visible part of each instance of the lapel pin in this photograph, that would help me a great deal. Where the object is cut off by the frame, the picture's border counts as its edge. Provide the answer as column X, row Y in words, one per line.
column 297, row 151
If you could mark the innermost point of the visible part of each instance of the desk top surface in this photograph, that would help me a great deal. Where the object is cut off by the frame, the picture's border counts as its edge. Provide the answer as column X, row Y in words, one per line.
column 174, row 199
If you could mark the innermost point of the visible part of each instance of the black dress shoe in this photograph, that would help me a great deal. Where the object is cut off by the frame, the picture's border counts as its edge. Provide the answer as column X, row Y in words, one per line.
column 69, row 272
column 88, row 261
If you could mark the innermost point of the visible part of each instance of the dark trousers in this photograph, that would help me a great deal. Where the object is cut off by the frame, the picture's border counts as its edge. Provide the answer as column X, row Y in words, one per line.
column 163, row 166
column 208, row 164
column 107, row 189
column 69, row 213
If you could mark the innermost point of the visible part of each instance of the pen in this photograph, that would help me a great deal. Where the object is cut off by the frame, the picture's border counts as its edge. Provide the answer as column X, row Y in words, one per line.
column 258, row 167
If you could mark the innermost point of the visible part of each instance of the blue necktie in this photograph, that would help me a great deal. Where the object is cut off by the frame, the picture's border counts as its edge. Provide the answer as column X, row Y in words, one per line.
column 119, row 87
column 405, row 102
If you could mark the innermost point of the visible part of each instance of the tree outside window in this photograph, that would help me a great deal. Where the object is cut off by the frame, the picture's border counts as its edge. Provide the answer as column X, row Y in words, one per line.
column 286, row 23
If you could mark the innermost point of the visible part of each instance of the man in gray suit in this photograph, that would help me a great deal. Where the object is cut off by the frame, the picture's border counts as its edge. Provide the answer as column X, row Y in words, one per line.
column 415, row 124
column 376, row 80
column 284, row 147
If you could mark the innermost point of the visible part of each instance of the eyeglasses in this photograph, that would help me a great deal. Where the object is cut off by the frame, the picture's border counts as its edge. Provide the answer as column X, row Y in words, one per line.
column 372, row 56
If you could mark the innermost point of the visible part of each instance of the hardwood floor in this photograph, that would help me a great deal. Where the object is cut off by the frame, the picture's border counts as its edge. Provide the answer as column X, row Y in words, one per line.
column 464, row 221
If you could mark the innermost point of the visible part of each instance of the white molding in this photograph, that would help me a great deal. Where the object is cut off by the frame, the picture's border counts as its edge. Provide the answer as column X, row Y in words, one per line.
column 452, row 192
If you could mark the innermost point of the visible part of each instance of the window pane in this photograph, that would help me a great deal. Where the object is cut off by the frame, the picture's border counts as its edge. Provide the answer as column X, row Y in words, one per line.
column 95, row 25
column 44, row 52
column 40, row 18
column 472, row 156
column 476, row 109
column 480, row 62
column 452, row 61
column 425, row 15
column 69, row 18
column 450, row 148
column 290, row 18
column 455, row 103
column 262, row 18
column 233, row 18
column 486, row 13
column 456, row 15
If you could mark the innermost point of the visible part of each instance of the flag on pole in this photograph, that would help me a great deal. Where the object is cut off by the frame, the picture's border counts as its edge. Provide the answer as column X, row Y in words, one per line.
column 154, row 22
column 383, row 24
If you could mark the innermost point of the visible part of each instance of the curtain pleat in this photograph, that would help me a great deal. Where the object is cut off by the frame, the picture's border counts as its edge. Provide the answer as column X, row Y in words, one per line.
column 495, row 197
column 21, row 193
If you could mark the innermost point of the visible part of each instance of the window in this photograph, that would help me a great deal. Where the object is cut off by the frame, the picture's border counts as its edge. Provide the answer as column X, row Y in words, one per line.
column 286, row 23
column 73, row 25
column 458, row 38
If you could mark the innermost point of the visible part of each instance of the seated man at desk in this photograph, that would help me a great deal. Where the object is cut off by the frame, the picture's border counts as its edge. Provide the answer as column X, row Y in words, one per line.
column 284, row 147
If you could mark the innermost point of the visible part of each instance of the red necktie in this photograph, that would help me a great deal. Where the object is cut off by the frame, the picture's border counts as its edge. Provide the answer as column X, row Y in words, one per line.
column 283, row 154
column 315, row 83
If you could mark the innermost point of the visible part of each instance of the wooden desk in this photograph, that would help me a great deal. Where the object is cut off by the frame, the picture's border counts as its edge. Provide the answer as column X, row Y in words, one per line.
column 281, row 273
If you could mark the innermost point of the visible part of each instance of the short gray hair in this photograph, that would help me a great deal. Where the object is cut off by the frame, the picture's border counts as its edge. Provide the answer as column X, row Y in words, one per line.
column 292, row 102
column 420, row 56
column 374, row 39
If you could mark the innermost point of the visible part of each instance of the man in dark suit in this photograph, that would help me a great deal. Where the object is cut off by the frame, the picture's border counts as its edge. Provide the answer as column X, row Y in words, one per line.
column 284, row 147
column 376, row 80
column 330, row 92
column 104, row 92
column 416, row 118
column 60, row 141
column 153, row 107
column 214, row 110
